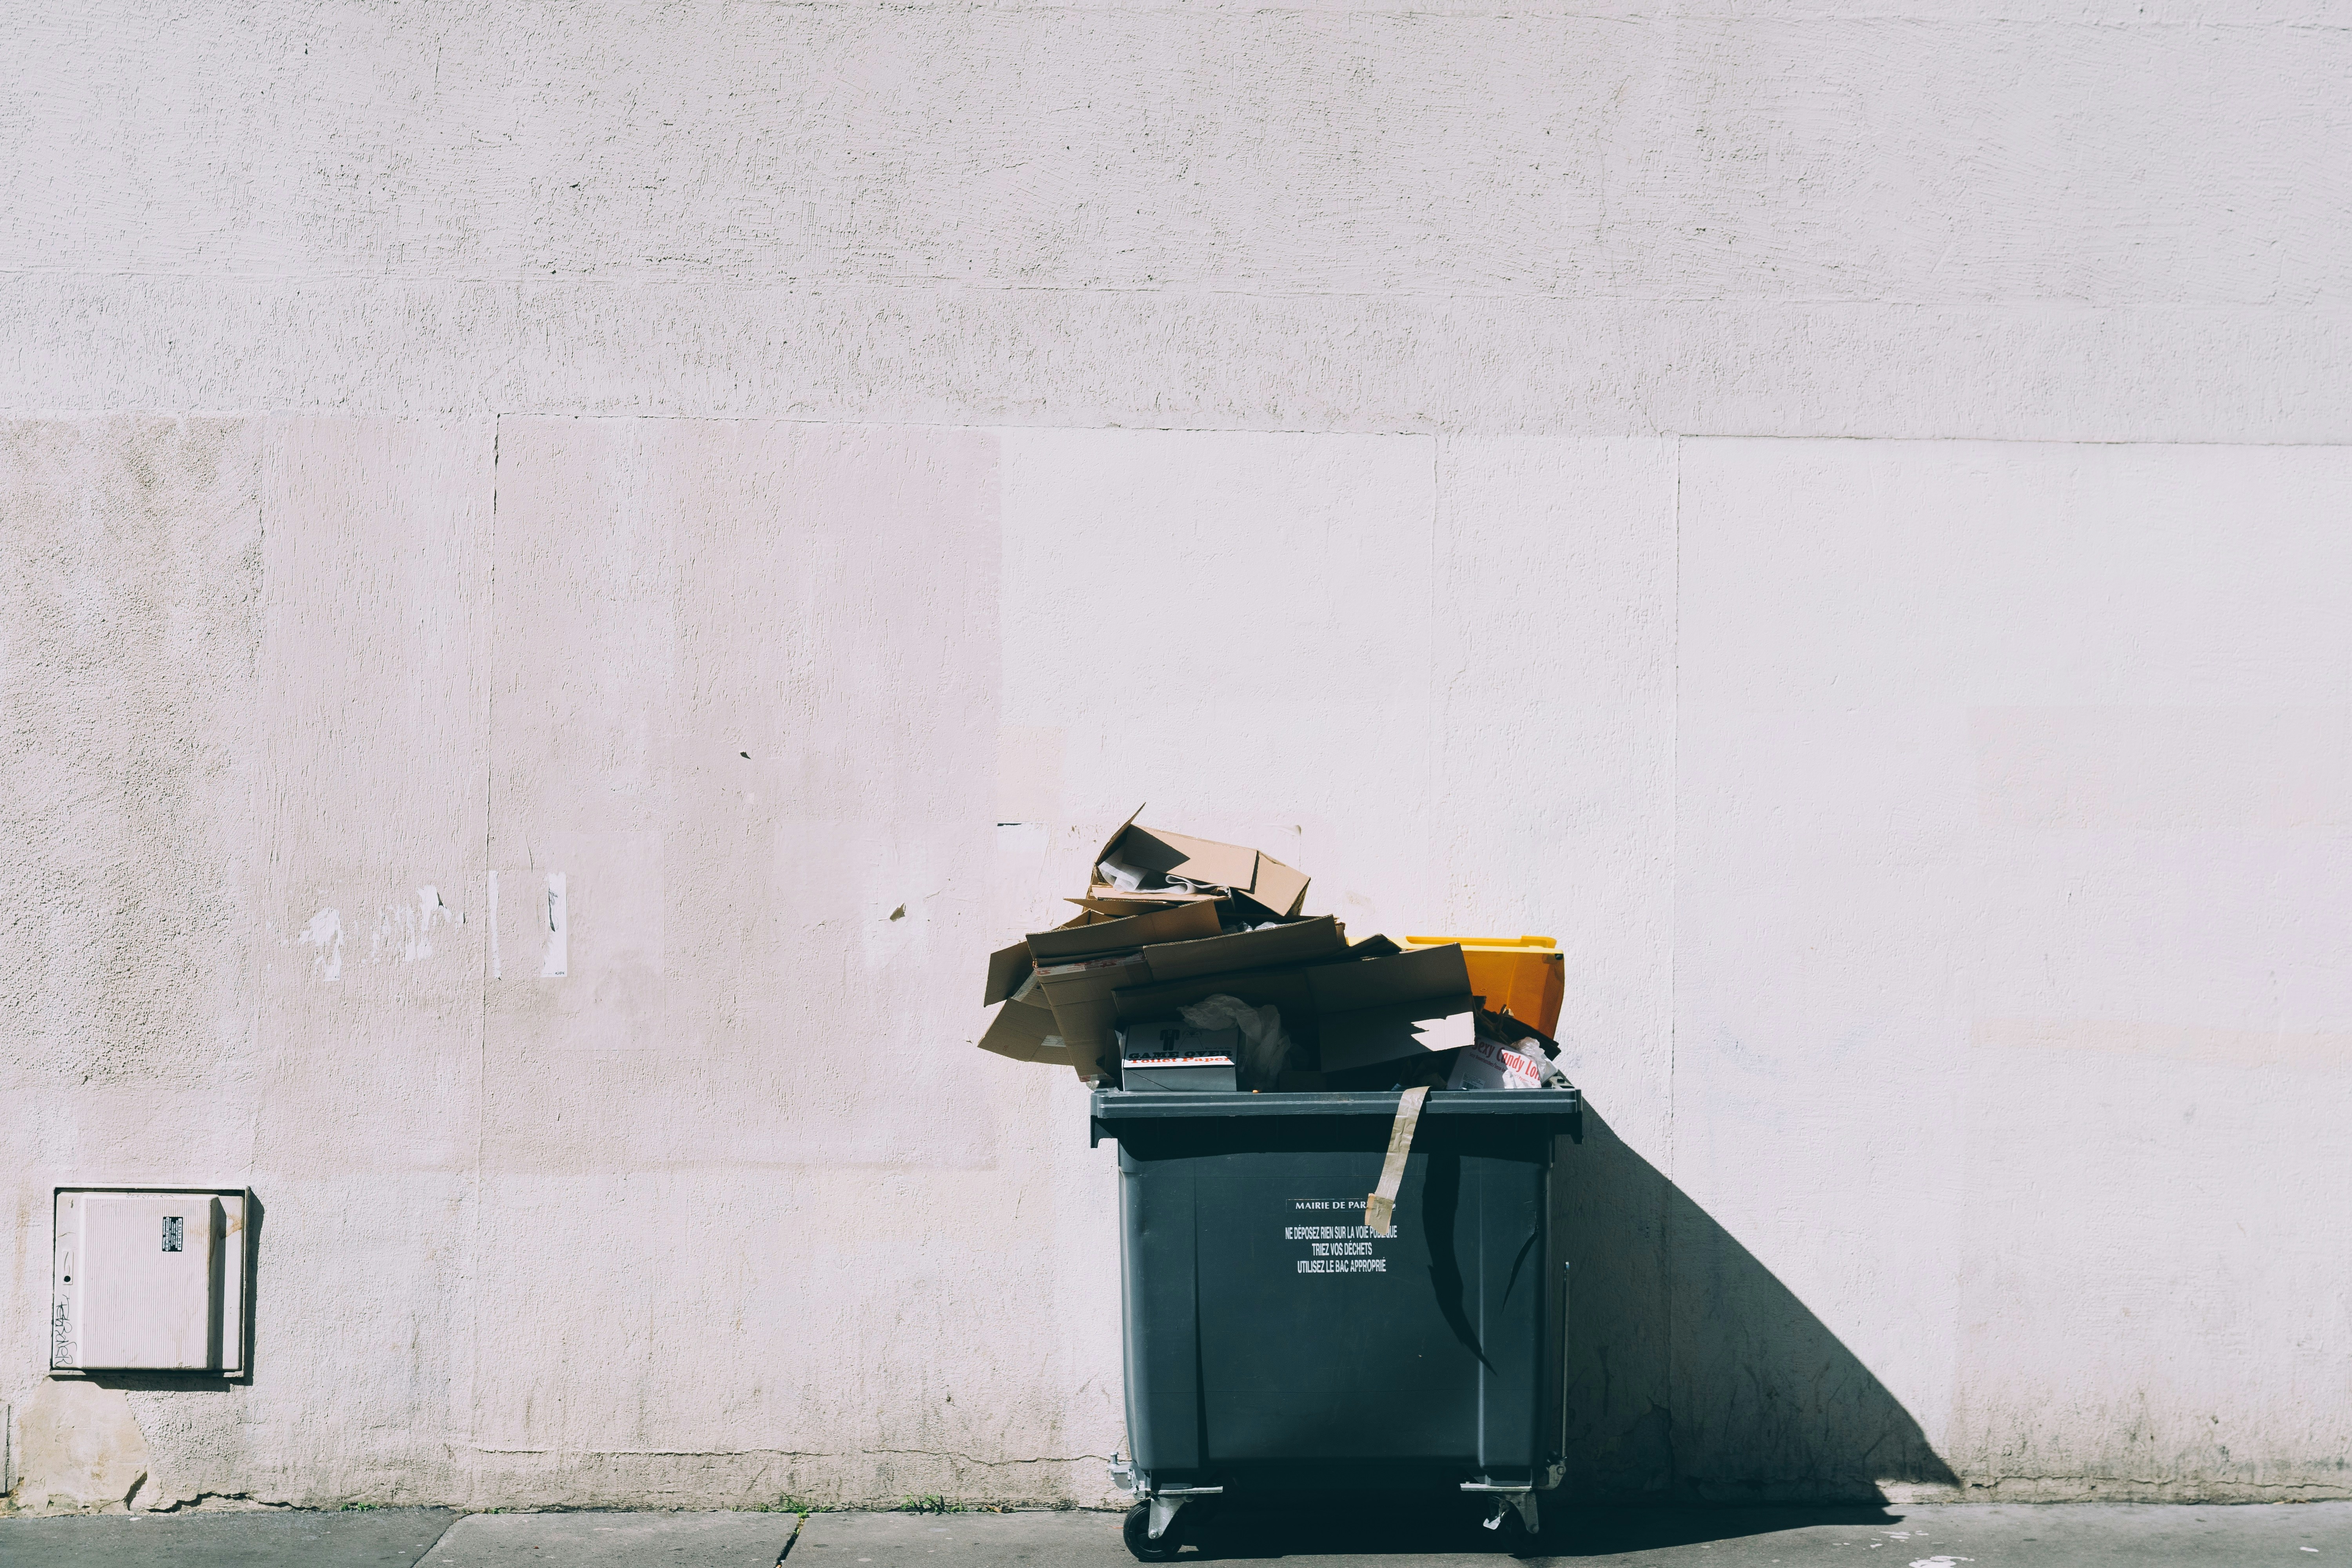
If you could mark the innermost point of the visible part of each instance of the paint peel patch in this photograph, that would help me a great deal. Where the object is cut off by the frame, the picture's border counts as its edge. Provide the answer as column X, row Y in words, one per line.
column 325, row 932
column 399, row 933
column 405, row 935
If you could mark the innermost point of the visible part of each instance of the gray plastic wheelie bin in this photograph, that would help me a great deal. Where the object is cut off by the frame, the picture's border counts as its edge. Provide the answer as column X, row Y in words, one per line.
column 1274, row 1344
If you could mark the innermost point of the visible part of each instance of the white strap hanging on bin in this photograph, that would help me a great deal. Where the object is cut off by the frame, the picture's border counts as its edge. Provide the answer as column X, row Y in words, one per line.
column 1379, row 1208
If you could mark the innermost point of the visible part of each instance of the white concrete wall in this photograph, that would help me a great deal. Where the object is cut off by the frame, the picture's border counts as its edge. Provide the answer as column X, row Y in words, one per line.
column 1839, row 514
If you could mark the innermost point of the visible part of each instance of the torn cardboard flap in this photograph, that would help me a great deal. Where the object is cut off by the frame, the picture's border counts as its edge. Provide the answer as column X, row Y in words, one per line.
column 1364, row 1035
column 1025, row 1034
column 1380, row 1009
column 1008, row 970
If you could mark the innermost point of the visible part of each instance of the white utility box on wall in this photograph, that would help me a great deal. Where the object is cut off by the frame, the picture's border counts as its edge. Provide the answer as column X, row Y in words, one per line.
column 149, row 1278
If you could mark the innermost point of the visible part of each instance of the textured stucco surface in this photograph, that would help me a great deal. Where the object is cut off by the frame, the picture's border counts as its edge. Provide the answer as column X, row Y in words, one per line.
column 571, row 568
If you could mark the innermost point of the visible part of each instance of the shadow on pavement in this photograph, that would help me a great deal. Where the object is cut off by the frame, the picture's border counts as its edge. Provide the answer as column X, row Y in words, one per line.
column 1571, row 1534
column 1376, row 1526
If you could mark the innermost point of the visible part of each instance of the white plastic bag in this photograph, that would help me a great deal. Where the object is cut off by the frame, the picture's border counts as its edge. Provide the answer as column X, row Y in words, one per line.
column 1265, row 1045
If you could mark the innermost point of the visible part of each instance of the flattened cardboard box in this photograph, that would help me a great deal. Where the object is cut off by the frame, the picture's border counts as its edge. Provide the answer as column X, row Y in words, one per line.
column 1084, row 992
column 1368, row 1036
column 1024, row 1027
column 1380, row 1009
column 1079, row 966
column 1261, row 967
column 1281, row 989
column 1264, row 881
column 1084, row 1014
column 1353, row 1012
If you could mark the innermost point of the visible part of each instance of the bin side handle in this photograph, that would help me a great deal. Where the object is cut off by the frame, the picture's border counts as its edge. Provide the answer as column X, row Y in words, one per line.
column 1567, row 1302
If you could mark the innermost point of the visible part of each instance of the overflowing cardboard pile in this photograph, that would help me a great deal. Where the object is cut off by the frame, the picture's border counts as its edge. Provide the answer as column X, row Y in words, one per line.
column 1170, row 925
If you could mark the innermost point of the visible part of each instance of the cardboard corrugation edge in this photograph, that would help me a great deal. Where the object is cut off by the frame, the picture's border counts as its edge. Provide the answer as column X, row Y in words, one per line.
column 1083, row 1013
column 1009, row 967
column 1282, row 947
column 1278, row 886
column 1119, row 906
column 1102, row 938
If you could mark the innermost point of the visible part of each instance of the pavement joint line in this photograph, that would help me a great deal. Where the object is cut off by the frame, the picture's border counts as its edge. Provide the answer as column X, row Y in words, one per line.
column 448, row 1526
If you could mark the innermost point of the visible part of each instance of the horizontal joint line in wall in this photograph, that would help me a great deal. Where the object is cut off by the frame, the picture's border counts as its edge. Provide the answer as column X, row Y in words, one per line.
column 1189, row 288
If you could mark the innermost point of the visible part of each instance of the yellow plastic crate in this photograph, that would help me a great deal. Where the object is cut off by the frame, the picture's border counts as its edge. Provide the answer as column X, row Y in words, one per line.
column 1525, row 974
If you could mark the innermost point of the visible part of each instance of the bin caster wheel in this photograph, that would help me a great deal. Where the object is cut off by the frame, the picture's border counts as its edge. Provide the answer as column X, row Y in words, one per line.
column 1508, row 1529
column 1137, row 1532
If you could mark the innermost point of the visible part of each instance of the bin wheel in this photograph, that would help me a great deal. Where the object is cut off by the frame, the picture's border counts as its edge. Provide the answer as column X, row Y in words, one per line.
column 1137, row 1532
column 1506, row 1529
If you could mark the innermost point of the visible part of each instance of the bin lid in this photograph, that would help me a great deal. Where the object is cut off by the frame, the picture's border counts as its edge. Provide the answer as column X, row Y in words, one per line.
column 1534, row 946
column 1112, row 1106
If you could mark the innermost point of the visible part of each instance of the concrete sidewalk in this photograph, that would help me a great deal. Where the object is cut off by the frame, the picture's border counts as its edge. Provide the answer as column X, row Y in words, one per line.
column 2090, row 1536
